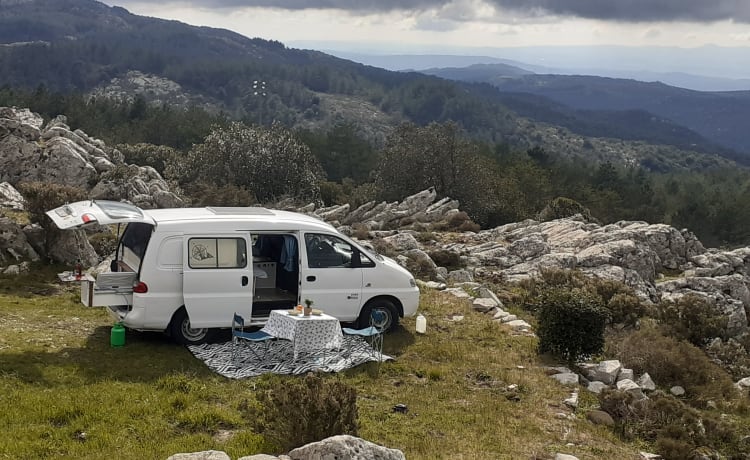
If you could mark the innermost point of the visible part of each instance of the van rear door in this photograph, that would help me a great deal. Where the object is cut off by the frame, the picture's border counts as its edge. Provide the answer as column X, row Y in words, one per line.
column 217, row 278
column 78, row 214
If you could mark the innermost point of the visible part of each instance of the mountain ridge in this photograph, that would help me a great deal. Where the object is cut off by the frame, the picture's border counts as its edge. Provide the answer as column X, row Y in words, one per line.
column 89, row 45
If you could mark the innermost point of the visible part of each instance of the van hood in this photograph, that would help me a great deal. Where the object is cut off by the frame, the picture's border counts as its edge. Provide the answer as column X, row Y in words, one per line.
column 81, row 213
column 395, row 265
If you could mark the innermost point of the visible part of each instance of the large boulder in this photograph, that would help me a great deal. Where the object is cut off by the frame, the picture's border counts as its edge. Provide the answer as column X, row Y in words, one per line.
column 14, row 247
column 345, row 447
column 10, row 197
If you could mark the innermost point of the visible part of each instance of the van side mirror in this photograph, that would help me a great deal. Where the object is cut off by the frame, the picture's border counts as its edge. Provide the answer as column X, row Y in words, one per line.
column 113, row 267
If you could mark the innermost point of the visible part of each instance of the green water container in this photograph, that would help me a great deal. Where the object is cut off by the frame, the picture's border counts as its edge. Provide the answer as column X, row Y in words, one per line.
column 117, row 336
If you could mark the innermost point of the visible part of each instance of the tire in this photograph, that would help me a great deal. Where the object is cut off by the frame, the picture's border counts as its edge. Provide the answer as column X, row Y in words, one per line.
column 386, row 306
column 183, row 334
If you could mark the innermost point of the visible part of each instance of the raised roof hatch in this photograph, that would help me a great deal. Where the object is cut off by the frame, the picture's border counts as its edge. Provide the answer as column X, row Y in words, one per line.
column 239, row 211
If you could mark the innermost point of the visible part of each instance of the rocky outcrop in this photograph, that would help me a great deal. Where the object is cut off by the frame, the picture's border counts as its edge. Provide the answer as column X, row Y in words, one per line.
column 633, row 252
column 54, row 153
column 31, row 151
column 418, row 210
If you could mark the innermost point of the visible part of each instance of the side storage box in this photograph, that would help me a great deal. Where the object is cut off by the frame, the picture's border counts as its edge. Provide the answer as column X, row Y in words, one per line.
column 114, row 288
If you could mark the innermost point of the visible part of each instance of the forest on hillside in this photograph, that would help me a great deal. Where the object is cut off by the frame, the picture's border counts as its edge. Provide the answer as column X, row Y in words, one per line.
column 495, row 183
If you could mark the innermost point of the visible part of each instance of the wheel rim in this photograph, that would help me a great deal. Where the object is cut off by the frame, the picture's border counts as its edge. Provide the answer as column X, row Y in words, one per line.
column 388, row 317
column 190, row 334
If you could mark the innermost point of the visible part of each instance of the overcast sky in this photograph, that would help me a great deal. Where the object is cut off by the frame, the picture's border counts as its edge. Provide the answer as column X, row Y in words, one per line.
column 411, row 24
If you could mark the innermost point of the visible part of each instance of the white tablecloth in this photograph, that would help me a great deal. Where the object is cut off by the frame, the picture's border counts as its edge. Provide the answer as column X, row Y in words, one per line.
column 308, row 333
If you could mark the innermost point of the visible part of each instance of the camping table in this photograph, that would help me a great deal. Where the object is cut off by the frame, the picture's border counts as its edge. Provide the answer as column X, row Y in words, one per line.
column 307, row 333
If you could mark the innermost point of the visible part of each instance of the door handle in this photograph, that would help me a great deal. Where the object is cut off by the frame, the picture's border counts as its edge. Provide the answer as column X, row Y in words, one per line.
column 310, row 278
column 245, row 280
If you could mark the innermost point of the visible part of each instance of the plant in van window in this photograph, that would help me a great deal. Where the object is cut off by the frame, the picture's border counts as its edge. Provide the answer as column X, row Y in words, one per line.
column 309, row 303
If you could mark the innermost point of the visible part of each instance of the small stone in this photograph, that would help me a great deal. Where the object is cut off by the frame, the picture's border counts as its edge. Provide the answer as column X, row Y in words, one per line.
column 627, row 385
column 500, row 314
column 572, row 400
column 607, row 371
column 204, row 455
column 508, row 318
column 646, row 383
column 483, row 305
column 648, row 456
column 743, row 383
column 677, row 390
column 625, row 374
column 519, row 325
column 596, row 387
column 565, row 457
column 567, row 378
column 512, row 387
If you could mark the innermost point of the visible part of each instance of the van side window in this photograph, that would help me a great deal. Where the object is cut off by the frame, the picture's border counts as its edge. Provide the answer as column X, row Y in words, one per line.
column 326, row 251
column 217, row 253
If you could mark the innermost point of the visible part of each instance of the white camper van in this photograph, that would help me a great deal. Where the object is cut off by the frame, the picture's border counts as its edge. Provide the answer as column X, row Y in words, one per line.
column 187, row 270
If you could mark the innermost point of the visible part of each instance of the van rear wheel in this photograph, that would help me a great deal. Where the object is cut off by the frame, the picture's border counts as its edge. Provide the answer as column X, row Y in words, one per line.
column 184, row 334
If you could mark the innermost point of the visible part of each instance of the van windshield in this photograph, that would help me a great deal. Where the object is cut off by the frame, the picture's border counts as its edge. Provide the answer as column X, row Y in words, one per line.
column 133, row 244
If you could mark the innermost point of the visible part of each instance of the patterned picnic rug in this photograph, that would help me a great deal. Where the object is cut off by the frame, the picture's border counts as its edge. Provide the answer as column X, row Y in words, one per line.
column 252, row 359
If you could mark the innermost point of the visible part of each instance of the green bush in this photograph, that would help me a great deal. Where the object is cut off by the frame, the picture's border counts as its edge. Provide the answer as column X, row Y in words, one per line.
column 308, row 410
column 732, row 356
column 562, row 207
column 692, row 318
column 625, row 309
column 571, row 323
column 618, row 298
column 143, row 154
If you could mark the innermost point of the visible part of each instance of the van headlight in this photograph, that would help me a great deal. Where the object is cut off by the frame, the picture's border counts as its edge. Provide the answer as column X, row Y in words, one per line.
column 412, row 282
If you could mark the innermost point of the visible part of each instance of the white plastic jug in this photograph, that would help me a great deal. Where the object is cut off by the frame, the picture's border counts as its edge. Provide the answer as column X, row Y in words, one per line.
column 421, row 324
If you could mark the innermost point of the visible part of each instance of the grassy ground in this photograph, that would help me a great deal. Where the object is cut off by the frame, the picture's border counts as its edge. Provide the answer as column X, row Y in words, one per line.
column 65, row 393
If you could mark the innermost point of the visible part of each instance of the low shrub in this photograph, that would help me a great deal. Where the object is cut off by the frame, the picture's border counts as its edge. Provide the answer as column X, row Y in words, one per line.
column 42, row 196
column 625, row 309
column 444, row 258
column 104, row 243
column 571, row 323
column 561, row 207
column 459, row 221
column 692, row 318
column 677, row 430
column 731, row 355
column 673, row 362
column 203, row 194
column 308, row 410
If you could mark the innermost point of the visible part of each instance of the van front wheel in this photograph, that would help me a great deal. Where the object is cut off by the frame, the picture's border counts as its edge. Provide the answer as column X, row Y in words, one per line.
column 184, row 334
column 384, row 306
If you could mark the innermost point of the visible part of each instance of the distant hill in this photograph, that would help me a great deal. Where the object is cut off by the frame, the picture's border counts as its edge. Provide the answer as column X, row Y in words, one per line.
column 720, row 117
column 622, row 108
column 488, row 73
column 85, row 46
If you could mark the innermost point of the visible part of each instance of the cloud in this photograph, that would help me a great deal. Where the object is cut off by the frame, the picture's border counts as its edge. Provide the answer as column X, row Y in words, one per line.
column 612, row 10
column 637, row 10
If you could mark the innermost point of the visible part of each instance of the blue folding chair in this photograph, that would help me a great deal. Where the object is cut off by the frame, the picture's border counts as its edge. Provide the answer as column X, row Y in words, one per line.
column 373, row 333
column 257, row 337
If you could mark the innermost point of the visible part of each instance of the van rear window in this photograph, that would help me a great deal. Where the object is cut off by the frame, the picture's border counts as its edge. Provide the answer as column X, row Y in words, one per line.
column 136, row 238
column 217, row 253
